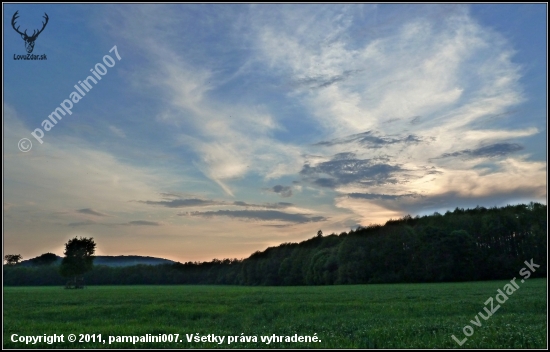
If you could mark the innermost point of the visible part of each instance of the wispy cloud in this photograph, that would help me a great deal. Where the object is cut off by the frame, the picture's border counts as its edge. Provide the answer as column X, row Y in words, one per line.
column 381, row 196
column 130, row 223
column 278, row 205
column 230, row 140
column 500, row 134
column 195, row 203
column 183, row 203
column 90, row 211
column 316, row 82
column 489, row 151
column 259, row 215
column 143, row 223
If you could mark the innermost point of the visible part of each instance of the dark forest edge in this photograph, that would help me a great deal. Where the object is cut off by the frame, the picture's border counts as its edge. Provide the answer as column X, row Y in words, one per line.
column 463, row 245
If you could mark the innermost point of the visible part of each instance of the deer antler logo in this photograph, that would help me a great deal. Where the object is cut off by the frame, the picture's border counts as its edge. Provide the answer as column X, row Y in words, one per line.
column 29, row 40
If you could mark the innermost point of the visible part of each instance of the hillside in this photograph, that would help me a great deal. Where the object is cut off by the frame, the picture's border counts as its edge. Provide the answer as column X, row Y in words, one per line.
column 463, row 245
column 112, row 261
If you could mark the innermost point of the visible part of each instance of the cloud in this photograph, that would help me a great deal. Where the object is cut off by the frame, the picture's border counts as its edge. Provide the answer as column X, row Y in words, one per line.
column 316, row 82
column 381, row 196
column 73, row 172
column 195, row 202
column 500, row 134
column 279, row 205
column 371, row 140
column 511, row 182
column 490, row 151
column 183, row 203
column 130, row 223
column 170, row 195
column 143, row 223
column 283, row 191
column 228, row 137
column 436, row 75
column 345, row 168
column 259, row 215
column 90, row 211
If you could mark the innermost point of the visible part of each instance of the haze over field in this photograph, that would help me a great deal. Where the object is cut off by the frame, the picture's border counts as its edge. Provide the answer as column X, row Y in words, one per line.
column 225, row 129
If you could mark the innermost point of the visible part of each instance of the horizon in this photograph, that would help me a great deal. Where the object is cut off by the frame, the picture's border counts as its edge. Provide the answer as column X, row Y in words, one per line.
column 262, row 250
column 220, row 130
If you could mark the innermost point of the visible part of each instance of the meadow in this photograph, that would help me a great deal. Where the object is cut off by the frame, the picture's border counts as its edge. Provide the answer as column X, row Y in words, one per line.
column 341, row 316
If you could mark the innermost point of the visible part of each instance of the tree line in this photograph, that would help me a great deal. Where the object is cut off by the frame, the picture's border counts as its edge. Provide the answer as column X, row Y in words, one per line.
column 79, row 257
column 463, row 245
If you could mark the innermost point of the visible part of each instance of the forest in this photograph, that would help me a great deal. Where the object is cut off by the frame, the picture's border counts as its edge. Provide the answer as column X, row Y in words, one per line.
column 460, row 245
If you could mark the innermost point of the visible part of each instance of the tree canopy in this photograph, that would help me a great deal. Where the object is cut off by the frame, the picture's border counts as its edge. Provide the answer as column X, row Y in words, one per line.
column 79, row 258
column 12, row 259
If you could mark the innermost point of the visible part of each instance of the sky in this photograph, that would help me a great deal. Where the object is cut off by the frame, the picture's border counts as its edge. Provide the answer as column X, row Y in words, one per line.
column 200, row 131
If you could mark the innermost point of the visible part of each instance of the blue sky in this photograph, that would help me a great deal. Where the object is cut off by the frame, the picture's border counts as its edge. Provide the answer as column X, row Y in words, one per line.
column 225, row 129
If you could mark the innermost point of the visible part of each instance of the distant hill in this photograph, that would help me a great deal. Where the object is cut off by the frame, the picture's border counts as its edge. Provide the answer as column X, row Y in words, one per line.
column 460, row 245
column 128, row 260
column 118, row 261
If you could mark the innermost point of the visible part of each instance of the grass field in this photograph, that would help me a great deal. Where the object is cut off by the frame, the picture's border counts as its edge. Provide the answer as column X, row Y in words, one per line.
column 360, row 316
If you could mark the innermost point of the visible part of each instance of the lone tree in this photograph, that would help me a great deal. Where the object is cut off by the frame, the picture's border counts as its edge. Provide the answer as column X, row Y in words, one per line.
column 79, row 259
column 12, row 259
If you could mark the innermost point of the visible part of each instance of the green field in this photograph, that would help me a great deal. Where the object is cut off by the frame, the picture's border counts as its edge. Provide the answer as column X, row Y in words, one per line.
column 359, row 316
